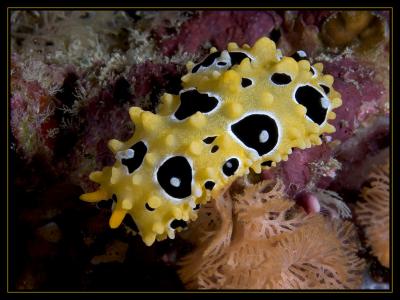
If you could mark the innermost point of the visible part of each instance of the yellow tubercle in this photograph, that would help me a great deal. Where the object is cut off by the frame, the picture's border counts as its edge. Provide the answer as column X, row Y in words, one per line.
column 169, row 140
column 134, row 113
column 197, row 120
column 264, row 49
column 185, row 78
column 115, row 145
column 294, row 132
column 213, row 49
column 149, row 239
column 245, row 66
column 304, row 65
column 230, row 80
column 329, row 128
column 336, row 102
column 158, row 228
column 232, row 46
column 96, row 176
column 168, row 103
column 287, row 65
column 233, row 110
column 328, row 79
column 195, row 148
column 215, row 74
column 319, row 67
column 127, row 204
column 154, row 201
column 117, row 217
column 95, row 196
column 313, row 128
column 331, row 115
column 189, row 65
column 266, row 99
column 300, row 110
column 150, row 121
column 176, row 213
column 150, row 158
column 136, row 179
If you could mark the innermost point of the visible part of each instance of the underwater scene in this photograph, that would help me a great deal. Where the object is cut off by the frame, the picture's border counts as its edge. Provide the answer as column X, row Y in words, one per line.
column 186, row 150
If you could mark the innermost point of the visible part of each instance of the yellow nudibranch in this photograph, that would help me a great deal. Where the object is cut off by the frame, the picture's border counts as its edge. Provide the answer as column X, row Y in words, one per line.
column 239, row 108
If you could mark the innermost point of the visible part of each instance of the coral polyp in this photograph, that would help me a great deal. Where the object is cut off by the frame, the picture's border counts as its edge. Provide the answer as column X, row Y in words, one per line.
column 373, row 213
column 240, row 108
column 260, row 239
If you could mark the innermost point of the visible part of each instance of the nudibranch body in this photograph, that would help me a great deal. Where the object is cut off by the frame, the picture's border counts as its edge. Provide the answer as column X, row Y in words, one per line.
column 239, row 108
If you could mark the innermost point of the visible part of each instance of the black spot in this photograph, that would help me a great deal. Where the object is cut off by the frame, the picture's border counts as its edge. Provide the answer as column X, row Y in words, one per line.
column 208, row 61
column 246, row 82
column 258, row 132
column 275, row 35
column 312, row 71
column 237, row 57
column 178, row 223
column 196, row 207
column 230, row 166
column 148, row 207
column 299, row 55
column 135, row 162
column 267, row 163
column 325, row 88
column 209, row 140
column 209, row 185
column 178, row 167
column 192, row 101
column 128, row 221
column 310, row 98
column 280, row 78
column 214, row 149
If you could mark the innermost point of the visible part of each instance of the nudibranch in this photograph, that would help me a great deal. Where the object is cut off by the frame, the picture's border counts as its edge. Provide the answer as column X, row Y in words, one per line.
column 241, row 108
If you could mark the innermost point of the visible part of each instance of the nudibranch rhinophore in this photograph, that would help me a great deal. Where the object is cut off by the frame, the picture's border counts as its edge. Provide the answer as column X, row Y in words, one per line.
column 245, row 107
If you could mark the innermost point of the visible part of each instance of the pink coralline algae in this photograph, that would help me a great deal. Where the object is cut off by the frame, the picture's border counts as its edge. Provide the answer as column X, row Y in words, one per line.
column 33, row 118
column 359, row 84
column 219, row 28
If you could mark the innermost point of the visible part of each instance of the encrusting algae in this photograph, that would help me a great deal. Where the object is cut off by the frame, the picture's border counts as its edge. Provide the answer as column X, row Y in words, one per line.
column 262, row 240
column 239, row 108
column 362, row 30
